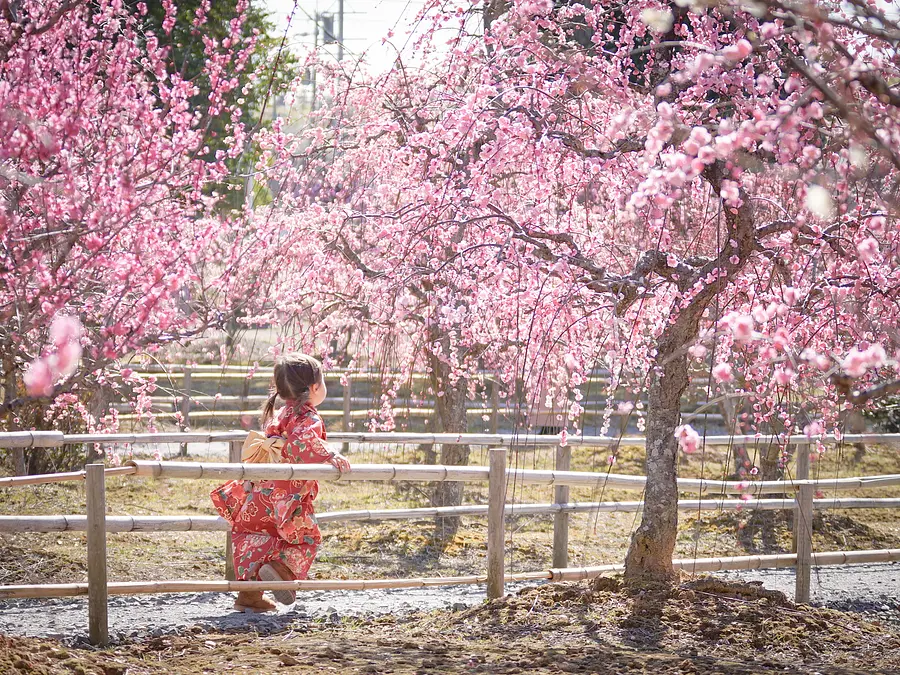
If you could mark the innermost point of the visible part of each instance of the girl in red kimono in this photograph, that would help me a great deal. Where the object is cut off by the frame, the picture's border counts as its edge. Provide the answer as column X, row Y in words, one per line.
column 273, row 525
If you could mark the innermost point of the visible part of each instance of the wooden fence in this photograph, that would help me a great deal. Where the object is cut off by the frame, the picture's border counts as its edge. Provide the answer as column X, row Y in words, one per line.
column 97, row 524
column 348, row 408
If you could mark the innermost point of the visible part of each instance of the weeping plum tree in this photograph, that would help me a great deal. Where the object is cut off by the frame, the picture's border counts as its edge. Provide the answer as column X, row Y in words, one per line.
column 110, row 220
column 643, row 184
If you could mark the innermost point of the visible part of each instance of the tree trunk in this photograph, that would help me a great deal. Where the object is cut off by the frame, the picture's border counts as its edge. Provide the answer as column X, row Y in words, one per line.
column 649, row 557
column 450, row 413
column 9, row 393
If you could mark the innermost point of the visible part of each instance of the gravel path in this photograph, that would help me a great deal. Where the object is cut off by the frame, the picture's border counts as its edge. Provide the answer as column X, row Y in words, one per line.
column 872, row 589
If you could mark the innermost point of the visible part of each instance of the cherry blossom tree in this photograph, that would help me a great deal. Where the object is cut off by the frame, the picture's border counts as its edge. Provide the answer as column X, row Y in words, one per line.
column 112, row 240
column 644, row 185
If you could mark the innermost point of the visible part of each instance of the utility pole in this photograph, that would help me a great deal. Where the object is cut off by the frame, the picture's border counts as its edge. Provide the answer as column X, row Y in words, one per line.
column 340, row 35
column 312, row 102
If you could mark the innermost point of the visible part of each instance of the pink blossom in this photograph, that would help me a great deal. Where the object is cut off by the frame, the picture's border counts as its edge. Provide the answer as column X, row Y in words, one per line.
column 688, row 438
column 65, row 361
column 730, row 192
column 738, row 51
column 742, row 327
column 783, row 376
column 877, row 224
column 722, row 372
column 868, row 249
column 563, row 438
column 814, row 428
column 698, row 351
column 39, row 378
column 857, row 361
column 65, row 329
column 769, row 30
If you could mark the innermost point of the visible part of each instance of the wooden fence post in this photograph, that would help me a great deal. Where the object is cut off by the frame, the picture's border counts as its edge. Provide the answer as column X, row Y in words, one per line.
column 18, row 455
column 98, row 617
column 234, row 457
column 496, row 501
column 495, row 406
column 185, row 406
column 803, row 517
column 561, row 519
column 347, row 423
column 348, row 387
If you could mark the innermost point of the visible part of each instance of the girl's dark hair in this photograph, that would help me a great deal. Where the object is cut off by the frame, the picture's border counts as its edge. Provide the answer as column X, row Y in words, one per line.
column 295, row 373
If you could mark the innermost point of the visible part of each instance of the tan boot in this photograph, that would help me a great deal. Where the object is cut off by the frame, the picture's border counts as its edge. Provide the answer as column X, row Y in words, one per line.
column 278, row 571
column 253, row 601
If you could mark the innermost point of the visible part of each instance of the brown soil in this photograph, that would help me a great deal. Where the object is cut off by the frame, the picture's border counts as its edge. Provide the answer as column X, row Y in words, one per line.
column 702, row 627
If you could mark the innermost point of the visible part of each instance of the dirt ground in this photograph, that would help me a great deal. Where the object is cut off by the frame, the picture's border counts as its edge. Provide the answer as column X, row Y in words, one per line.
column 703, row 626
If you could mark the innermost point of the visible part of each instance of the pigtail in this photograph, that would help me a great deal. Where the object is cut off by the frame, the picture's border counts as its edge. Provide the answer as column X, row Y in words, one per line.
column 294, row 375
column 268, row 410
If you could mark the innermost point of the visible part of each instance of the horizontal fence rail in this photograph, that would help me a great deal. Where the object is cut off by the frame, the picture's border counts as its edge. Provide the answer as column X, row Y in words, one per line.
column 78, row 523
column 440, row 473
column 52, row 439
column 694, row 565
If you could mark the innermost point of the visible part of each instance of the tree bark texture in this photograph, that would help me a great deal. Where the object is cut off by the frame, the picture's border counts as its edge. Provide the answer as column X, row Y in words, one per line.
column 653, row 543
column 450, row 413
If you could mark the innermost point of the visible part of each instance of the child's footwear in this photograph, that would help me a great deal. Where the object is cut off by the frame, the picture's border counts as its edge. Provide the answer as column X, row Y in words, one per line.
column 253, row 601
column 269, row 572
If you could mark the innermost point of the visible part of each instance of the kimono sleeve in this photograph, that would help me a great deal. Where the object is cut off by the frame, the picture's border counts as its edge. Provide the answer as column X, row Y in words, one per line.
column 305, row 444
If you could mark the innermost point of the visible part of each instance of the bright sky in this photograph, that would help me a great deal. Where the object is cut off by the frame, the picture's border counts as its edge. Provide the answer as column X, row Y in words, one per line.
column 366, row 22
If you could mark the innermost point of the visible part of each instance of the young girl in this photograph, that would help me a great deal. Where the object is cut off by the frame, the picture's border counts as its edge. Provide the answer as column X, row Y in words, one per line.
column 273, row 525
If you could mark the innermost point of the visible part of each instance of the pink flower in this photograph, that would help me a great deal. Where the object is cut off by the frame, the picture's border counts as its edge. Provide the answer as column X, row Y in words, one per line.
column 857, row 362
column 769, row 30
column 868, row 249
column 65, row 361
column 698, row 351
column 65, row 329
column 747, row 497
column 877, row 224
column 783, row 376
column 742, row 327
column 814, row 428
column 39, row 378
column 563, row 438
column 722, row 372
column 688, row 438
column 738, row 51
column 730, row 192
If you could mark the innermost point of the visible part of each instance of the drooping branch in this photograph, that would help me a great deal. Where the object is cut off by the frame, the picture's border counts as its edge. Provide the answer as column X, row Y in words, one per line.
column 845, row 386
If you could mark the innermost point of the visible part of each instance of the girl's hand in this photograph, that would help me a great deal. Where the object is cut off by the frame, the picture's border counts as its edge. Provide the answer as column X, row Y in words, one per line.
column 339, row 462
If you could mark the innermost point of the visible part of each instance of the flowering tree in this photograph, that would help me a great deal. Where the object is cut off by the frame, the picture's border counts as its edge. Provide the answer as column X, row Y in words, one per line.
column 109, row 227
column 642, row 185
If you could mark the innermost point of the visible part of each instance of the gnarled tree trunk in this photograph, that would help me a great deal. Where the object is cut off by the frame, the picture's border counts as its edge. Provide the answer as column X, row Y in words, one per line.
column 653, row 543
column 450, row 412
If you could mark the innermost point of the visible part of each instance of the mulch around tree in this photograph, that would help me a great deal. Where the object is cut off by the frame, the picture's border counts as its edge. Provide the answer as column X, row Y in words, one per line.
column 703, row 626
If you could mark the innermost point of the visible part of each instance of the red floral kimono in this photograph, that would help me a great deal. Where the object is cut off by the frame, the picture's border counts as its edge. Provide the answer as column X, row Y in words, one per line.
column 274, row 519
